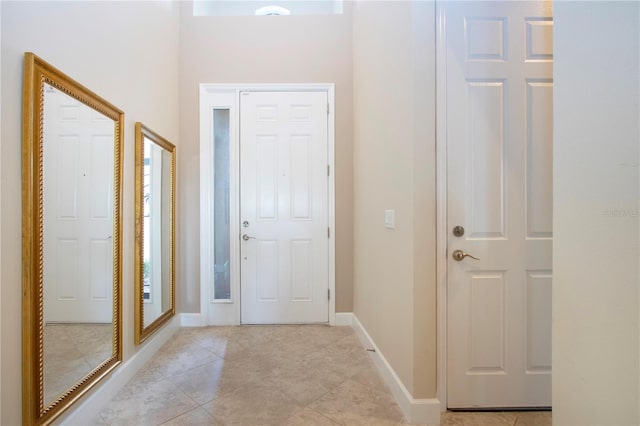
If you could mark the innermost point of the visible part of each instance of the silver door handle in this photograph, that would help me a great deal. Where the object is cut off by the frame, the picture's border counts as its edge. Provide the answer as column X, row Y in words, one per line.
column 459, row 255
column 247, row 238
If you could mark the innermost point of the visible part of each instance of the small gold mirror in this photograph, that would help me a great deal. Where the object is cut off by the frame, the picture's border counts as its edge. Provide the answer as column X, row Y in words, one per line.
column 154, row 252
column 71, row 273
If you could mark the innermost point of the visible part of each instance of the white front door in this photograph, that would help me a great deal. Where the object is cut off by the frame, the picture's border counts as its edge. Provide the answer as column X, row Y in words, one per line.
column 78, row 211
column 284, row 252
column 499, row 173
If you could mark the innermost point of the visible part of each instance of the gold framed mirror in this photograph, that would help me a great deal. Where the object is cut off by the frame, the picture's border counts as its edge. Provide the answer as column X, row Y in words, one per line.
column 154, row 251
column 71, row 240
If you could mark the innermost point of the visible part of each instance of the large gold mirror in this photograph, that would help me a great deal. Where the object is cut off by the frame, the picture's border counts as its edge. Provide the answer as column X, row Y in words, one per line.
column 154, row 262
column 71, row 204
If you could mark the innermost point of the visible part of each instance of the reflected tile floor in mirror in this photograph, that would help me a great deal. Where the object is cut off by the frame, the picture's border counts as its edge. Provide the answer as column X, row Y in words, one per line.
column 269, row 375
column 71, row 351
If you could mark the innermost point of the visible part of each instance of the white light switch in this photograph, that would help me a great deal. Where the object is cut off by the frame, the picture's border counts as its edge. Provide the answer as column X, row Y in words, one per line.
column 390, row 219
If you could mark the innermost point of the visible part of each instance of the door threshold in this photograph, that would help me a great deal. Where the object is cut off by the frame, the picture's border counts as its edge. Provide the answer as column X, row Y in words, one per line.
column 494, row 409
column 284, row 324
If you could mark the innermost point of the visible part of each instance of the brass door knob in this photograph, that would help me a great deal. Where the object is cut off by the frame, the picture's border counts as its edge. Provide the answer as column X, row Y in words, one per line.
column 459, row 255
column 458, row 231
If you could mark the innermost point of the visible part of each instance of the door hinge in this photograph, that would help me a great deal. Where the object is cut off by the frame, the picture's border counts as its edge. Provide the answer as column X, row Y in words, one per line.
column 328, row 294
column 328, row 232
column 327, row 108
column 328, row 170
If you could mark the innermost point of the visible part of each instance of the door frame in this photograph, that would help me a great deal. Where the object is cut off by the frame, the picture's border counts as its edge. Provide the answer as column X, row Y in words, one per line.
column 441, row 203
column 227, row 312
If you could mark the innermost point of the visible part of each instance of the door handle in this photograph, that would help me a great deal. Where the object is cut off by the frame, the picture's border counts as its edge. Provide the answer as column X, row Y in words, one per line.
column 247, row 238
column 459, row 255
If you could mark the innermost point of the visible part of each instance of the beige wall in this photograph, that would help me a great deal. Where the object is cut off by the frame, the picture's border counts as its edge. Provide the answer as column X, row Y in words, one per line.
column 394, row 168
column 250, row 49
column 0, row 212
column 91, row 42
column 424, row 200
column 596, row 250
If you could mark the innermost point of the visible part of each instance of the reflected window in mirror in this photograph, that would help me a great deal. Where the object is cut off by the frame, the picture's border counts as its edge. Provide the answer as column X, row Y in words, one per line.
column 155, row 194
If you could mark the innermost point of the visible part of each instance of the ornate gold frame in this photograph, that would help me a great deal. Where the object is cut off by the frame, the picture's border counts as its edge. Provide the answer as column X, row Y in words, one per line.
column 36, row 73
column 142, row 332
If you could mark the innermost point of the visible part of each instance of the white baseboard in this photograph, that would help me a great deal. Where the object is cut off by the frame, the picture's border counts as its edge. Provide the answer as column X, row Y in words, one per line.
column 85, row 412
column 190, row 320
column 194, row 319
column 423, row 411
column 344, row 319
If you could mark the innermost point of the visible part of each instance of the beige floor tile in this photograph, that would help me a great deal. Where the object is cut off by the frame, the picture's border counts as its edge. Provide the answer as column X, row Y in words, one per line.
column 246, row 371
column 355, row 404
column 146, row 376
column 478, row 418
column 344, row 354
column 311, row 338
column 148, row 405
column 306, row 384
column 99, row 421
column 368, row 376
column 534, row 418
column 211, row 338
column 182, row 341
column 308, row 417
column 172, row 361
column 202, row 384
column 195, row 417
column 252, row 405
column 248, row 341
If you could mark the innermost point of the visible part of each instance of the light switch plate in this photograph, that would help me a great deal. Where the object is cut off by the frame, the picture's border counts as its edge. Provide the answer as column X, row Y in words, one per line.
column 390, row 219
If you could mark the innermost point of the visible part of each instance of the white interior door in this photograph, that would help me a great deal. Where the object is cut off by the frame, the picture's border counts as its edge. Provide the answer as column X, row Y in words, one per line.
column 78, row 212
column 499, row 189
column 284, row 207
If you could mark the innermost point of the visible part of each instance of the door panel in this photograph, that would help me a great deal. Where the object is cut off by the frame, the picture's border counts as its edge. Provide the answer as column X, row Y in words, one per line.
column 487, row 322
column 485, row 148
column 284, row 200
column 539, row 159
column 499, row 144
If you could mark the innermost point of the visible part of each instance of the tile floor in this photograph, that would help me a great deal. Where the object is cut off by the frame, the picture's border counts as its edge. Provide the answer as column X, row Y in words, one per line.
column 270, row 375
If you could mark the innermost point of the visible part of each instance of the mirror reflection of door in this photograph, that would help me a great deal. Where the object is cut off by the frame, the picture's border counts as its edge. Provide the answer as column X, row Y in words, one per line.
column 78, row 190
column 157, row 215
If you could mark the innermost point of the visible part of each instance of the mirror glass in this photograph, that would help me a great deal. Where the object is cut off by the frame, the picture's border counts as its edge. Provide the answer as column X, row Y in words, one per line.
column 77, row 240
column 155, row 181
column 72, row 147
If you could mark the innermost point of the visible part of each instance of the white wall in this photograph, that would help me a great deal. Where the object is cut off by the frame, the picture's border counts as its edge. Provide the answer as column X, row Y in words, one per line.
column 127, row 52
column 596, row 213
column 394, row 168
column 262, row 49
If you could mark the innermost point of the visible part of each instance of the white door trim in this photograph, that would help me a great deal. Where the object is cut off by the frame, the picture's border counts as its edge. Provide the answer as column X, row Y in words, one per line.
column 227, row 96
column 441, row 203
